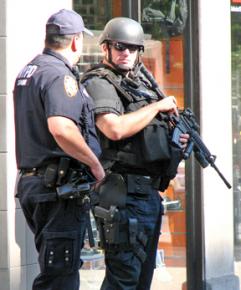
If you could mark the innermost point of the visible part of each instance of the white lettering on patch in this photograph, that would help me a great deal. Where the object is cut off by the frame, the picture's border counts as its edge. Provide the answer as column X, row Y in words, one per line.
column 28, row 71
column 22, row 82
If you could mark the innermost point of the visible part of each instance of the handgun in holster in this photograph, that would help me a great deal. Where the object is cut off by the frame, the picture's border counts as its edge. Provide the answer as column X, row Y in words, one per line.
column 109, row 221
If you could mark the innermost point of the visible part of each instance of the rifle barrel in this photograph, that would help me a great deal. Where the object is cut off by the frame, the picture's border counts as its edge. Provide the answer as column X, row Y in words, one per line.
column 221, row 175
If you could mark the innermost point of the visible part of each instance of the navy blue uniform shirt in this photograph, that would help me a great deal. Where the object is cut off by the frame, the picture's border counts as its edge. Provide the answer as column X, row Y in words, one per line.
column 47, row 87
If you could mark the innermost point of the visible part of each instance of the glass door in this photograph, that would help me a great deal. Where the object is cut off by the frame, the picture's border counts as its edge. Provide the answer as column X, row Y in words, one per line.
column 163, row 56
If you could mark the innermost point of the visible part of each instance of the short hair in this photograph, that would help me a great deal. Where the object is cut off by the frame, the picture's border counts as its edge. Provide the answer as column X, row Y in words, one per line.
column 57, row 41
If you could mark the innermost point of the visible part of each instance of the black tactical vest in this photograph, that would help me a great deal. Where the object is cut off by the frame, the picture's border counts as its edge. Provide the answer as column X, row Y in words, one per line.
column 148, row 152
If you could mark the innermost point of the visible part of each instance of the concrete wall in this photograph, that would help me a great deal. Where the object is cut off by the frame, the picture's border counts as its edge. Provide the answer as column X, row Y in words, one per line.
column 22, row 29
column 215, row 83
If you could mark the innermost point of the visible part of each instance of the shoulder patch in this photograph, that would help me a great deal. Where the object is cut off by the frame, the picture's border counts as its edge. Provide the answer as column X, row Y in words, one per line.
column 70, row 86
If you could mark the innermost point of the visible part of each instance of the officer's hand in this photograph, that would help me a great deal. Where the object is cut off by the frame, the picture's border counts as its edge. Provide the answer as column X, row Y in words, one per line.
column 98, row 173
column 168, row 104
column 184, row 138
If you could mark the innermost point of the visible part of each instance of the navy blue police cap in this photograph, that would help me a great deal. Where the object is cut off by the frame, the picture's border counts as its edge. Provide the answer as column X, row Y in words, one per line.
column 66, row 22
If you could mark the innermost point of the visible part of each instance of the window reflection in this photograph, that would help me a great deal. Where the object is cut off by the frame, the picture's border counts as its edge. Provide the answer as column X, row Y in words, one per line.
column 164, row 58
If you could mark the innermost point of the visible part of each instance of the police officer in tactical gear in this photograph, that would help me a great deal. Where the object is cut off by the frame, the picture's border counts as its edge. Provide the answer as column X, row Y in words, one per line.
column 55, row 141
column 136, row 154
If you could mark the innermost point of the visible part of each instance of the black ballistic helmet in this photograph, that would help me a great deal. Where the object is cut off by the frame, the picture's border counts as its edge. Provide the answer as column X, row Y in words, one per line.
column 125, row 30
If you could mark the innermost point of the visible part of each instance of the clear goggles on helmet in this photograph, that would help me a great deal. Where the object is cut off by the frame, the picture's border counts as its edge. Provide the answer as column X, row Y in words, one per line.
column 119, row 46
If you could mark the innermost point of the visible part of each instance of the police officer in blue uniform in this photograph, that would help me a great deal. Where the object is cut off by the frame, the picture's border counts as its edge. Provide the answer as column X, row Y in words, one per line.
column 137, row 156
column 56, row 144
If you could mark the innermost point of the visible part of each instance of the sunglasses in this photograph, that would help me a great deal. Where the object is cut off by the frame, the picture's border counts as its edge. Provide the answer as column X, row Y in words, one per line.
column 119, row 46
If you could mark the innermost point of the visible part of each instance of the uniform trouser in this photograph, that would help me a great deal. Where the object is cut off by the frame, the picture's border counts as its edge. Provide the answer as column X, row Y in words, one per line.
column 124, row 270
column 59, row 228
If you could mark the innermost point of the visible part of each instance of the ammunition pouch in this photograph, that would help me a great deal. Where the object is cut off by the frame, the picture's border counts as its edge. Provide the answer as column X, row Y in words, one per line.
column 140, row 186
column 154, row 143
column 170, row 169
column 150, row 152
column 56, row 173
column 160, row 156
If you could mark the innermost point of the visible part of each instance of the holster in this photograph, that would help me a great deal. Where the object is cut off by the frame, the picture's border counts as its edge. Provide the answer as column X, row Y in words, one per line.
column 116, row 231
column 113, row 191
column 111, row 197
column 117, row 236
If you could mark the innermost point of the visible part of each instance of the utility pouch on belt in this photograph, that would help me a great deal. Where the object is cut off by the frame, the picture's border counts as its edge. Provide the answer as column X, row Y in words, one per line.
column 62, row 169
column 55, row 173
column 50, row 175
column 113, row 191
column 139, row 185
column 154, row 142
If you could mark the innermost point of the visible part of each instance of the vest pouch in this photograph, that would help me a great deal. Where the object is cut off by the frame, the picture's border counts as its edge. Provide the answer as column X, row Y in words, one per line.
column 154, row 143
column 171, row 170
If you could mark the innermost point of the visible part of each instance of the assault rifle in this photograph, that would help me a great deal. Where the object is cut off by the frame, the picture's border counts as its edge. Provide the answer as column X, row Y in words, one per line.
column 186, row 123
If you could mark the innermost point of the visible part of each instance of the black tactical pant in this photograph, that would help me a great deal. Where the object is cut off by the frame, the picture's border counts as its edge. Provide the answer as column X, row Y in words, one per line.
column 59, row 228
column 124, row 269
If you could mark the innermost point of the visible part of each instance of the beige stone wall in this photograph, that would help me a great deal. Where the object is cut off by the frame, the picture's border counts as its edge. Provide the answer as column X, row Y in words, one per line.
column 22, row 28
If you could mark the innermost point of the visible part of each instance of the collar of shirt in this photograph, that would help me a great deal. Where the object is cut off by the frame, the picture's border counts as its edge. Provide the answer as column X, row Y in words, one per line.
column 57, row 55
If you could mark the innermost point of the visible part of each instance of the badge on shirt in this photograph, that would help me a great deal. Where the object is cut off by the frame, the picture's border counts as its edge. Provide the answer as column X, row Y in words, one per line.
column 70, row 86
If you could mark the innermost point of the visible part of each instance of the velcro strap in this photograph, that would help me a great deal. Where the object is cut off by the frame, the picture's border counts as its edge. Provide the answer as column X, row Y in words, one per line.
column 133, row 230
column 139, row 252
column 142, row 238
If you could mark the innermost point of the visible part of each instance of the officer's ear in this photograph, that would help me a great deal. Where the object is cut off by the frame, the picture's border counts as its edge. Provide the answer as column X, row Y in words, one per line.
column 77, row 41
column 73, row 44
column 104, row 47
